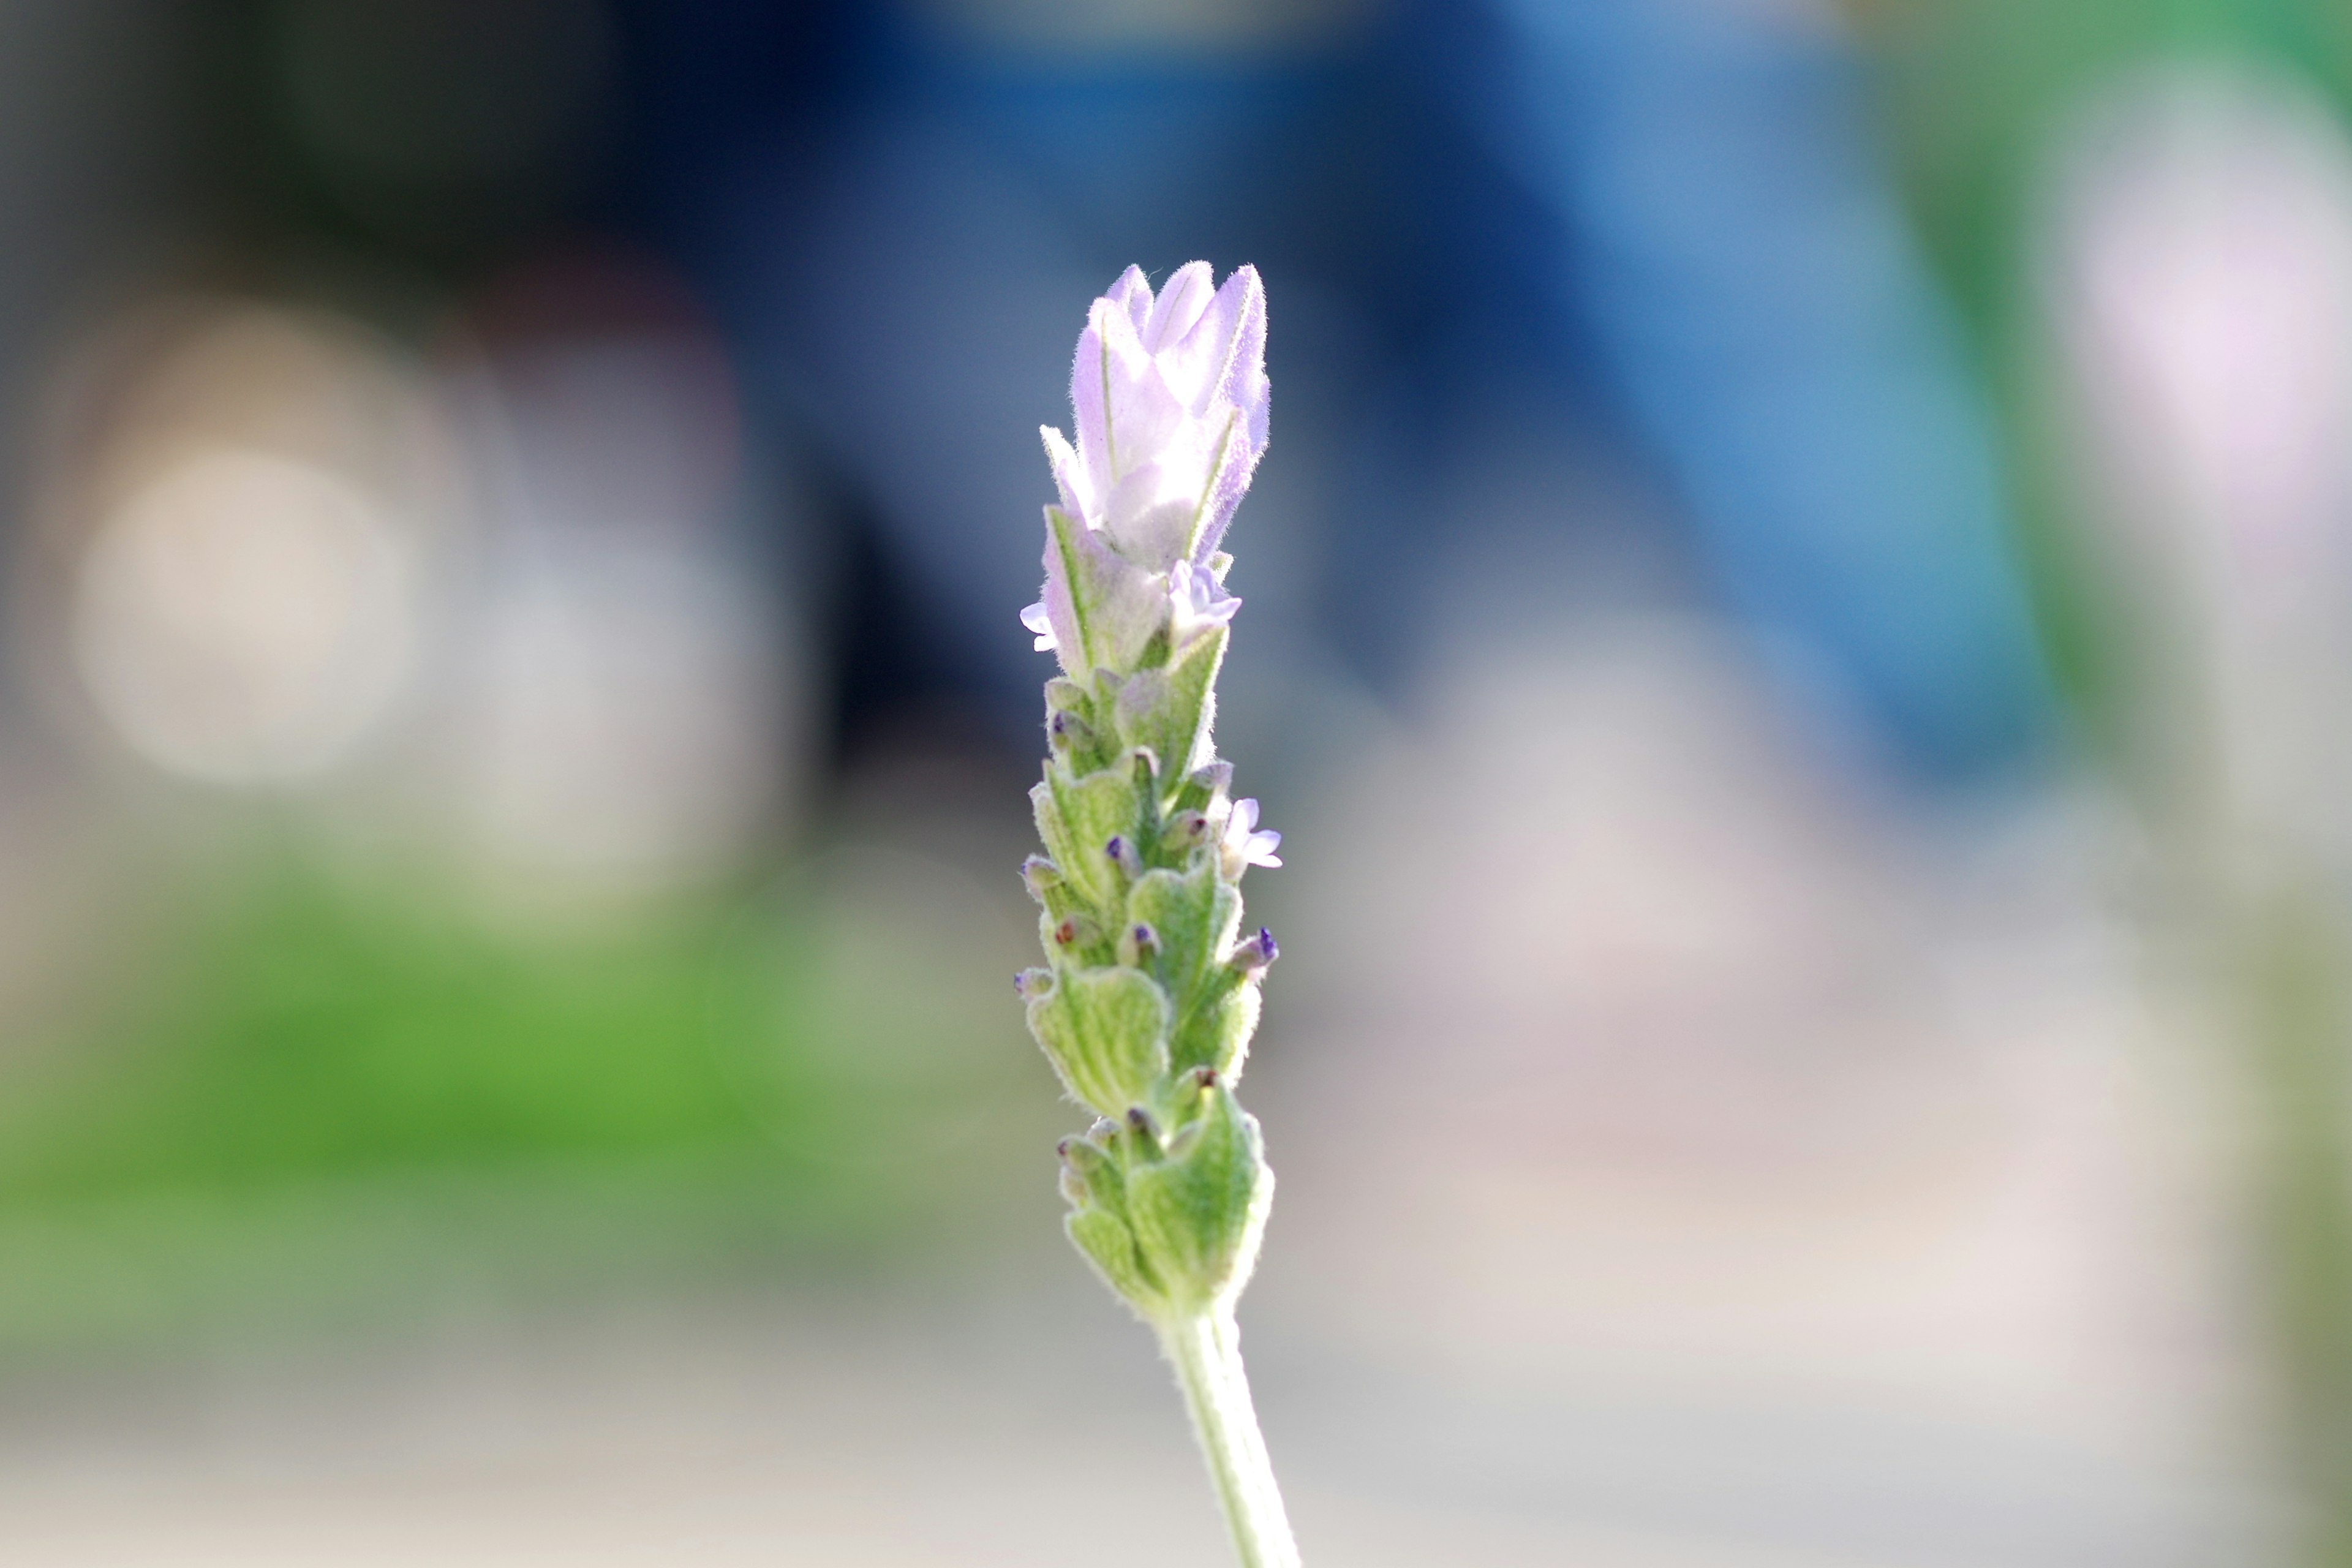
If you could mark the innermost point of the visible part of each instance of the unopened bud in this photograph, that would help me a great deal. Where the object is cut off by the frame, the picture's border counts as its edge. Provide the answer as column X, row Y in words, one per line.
column 1138, row 945
column 1125, row 855
column 1033, row 982
column 1064, row 694
column 1256, row 953
column 1068, row 733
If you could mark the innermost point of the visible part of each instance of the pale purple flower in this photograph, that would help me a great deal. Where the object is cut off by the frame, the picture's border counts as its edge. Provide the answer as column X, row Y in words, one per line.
column 1197, row 601
column 1246, row 843
column 1171, row 396
column 1035, row 618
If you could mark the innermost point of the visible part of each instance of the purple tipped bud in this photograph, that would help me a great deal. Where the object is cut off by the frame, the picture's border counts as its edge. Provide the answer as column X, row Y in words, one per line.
column 1140, row 1119
column 1256, row 953
column 1124, row 854
column 1192, row 827
column 1032, row 984
column 1068, row 731
column 1146, row 765
column 1040, row 874
column 1146, row 938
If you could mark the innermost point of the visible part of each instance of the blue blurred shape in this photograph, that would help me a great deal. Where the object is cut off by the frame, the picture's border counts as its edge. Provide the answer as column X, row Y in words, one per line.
column 1753, row 291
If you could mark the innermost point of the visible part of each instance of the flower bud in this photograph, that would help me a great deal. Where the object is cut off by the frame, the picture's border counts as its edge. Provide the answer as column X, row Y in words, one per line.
column 1072, row 939
column 1121, row 852
column 1256, row 953
column 1050, row 888
column 1069, row 733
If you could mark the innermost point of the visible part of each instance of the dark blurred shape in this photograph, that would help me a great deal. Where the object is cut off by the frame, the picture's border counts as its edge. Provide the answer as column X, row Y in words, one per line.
column 431, row 119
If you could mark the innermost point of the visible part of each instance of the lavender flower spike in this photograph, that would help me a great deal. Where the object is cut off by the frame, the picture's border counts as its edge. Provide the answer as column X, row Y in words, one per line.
column 1151, row 994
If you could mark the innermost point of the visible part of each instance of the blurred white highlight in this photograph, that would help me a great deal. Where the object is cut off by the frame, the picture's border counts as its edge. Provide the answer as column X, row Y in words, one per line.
column 620, row 721
column 2198, row 278
column 621, row 704
column 244, row 617
column 2205, row 299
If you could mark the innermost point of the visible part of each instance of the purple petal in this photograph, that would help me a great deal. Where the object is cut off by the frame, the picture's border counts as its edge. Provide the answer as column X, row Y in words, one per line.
column 1182, row 299
column 1070, row 475
column 1146, row 526
column 1141, row 414
column 1132, row 295
column 1243, row 384
column 1223, row 355
column 1228, row 482
column 1089, row 398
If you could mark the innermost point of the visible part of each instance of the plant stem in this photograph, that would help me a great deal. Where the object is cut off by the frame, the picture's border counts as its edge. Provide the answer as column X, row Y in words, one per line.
column 1208, row 1356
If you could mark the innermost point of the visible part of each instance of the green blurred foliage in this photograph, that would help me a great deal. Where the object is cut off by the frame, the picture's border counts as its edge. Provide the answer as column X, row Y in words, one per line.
column 1975, row 96
column 300, row 1091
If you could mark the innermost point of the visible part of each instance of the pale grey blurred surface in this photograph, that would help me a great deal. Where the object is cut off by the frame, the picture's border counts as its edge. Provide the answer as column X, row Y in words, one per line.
column 1682, row 1162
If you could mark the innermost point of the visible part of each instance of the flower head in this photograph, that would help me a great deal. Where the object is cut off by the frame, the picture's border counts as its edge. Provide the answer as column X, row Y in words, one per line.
column 1171, row 396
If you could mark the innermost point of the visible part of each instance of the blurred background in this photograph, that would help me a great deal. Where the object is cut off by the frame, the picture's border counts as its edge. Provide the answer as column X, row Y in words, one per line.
column 1798, row 634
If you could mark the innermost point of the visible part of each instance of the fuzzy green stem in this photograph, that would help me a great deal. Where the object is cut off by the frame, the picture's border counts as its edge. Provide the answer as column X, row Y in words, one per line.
column 1206, row 1350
